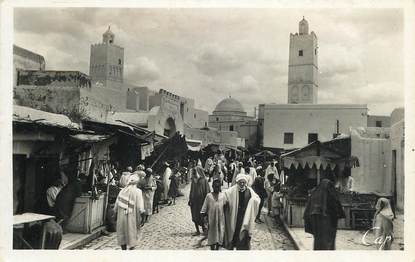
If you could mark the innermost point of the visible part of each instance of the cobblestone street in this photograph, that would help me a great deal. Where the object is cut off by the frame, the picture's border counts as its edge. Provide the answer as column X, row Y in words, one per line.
column 172, row 227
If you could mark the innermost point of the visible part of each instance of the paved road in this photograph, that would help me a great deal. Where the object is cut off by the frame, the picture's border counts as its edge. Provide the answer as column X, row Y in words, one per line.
column 172, row 227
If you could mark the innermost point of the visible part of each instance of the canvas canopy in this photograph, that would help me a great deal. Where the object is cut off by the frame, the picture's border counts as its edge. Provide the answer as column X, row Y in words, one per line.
column 330, row 154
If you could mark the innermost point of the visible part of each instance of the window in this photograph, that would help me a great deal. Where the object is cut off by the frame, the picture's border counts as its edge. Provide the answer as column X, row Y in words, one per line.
column 217, row 119
column 119, row 61
column 312, row 137
column 231, row 128
column 378, row 123
column 315, row 51
column 300, row 53
column 194, row 115
column 288, row 138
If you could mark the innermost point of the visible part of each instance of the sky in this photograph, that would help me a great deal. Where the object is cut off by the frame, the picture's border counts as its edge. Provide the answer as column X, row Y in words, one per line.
column 209, row 54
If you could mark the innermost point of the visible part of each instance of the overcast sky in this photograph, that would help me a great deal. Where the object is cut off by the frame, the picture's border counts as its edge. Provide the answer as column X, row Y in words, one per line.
column 208, row 54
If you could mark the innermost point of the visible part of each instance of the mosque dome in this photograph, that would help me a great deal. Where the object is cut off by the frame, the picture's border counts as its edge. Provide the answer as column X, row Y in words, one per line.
column 229, row 105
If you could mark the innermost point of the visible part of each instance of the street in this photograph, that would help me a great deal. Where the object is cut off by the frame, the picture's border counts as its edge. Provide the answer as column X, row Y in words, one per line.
column 172, row 227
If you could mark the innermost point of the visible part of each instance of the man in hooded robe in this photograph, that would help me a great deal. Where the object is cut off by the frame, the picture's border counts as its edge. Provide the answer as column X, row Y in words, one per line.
column 252, row 174
column 383, row 223
column 240, row 213
column 166, row 181
column 199, row 188
column 321, row 214
column 129, row 206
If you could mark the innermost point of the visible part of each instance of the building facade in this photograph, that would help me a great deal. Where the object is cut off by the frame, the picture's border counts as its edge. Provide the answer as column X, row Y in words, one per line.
column 103, row 95
column 378, row 121
column 397, row 138
column 24, row 59
column 213, row 136
column 228, row 115
column 303, row 120
column 293, row 126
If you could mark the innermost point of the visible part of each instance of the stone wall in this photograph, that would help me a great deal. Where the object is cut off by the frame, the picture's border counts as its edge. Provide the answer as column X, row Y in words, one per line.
column 59, row 100
column 53, row 78
column 249, row 132
column 385, row 121
column 211, row 136
column 374, row 171
column 24, row 59
column 397, row 138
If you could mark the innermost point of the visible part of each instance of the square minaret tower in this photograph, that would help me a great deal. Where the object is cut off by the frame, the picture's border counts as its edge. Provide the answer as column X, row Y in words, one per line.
column 302, row 66
column 106, row 65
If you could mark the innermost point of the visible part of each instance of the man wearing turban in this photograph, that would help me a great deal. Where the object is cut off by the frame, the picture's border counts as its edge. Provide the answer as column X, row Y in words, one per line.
column 240, row 212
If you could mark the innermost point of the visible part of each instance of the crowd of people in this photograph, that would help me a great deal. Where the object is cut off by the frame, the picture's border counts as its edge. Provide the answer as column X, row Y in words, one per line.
column 225, row 199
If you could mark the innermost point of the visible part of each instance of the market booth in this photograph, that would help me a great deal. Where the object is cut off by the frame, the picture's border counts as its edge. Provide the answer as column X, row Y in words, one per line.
column 303, row 170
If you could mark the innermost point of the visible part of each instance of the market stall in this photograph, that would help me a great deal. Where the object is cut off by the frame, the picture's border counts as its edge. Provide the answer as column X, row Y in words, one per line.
column 303, row 170
column 98, row 156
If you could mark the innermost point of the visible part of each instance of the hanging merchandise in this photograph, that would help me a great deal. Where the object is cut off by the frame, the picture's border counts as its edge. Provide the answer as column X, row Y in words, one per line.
column 146, row 150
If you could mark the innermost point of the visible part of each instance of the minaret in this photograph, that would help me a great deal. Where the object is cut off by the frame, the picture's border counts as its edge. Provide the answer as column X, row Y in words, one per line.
column 106, row 65
column 302, row 66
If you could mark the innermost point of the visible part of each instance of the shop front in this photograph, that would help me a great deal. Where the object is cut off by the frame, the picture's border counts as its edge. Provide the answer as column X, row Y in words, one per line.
column 303, row 170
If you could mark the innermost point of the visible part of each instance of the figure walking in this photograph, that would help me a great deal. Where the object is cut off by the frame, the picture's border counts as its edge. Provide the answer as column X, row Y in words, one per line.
column 213, row 209
column 240, row 214
column 129, row 206
column 198, row 191
column 321, row 214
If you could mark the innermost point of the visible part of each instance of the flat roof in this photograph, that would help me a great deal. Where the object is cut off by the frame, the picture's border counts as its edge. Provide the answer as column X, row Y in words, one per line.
column 315, row 106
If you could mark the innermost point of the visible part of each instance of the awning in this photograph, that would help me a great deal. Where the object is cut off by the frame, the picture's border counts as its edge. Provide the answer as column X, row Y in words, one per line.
column 89, row 137
column 30, row 115
column 194, row 145
column 319, row 162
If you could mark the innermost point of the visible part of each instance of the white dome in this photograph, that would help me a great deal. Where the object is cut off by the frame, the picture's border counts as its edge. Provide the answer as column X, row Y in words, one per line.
column 229, row 105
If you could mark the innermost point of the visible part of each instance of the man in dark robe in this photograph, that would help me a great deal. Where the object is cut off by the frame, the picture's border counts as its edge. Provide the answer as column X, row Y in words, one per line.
column 198, row 191
column 259, row 187
column 321, row 214
column 65, row 200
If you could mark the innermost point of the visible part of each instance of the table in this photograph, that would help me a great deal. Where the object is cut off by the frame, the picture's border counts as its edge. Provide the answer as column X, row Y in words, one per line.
column 27, row 218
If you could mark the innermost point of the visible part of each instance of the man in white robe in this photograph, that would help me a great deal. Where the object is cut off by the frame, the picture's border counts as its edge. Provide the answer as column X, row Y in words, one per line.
column 129, row 206
column 272, row 169
column 166, row 180
column 240, row 212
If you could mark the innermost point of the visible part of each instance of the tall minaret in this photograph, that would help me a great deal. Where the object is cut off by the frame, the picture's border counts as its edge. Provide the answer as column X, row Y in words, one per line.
column 106, row 64
column 302, row 66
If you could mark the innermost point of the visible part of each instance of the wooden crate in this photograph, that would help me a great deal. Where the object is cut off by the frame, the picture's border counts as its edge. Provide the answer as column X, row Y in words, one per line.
column 87, row 214
column 294, row 211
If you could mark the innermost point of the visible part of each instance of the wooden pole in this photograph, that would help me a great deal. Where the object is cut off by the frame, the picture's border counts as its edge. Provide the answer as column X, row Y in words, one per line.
column 158, row 158
column 107, row 174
